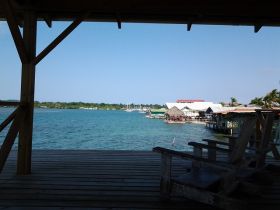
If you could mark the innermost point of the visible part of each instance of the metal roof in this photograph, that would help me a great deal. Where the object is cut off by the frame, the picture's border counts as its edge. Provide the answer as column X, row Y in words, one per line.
column 222, row 12
column 189, row 100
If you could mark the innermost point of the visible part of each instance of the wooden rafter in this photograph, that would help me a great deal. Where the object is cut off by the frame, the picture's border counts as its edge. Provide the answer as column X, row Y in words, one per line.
column 13, row 25
column 189, row 26
column 9, row 103
column 59, row 39
column 48, row 21
column 257, row 28
column 119, row 22
column 10, row 138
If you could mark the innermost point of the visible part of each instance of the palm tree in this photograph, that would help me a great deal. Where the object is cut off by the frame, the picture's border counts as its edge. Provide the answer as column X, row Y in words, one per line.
column 257, row 101
column 272, row 99
column 233, row 101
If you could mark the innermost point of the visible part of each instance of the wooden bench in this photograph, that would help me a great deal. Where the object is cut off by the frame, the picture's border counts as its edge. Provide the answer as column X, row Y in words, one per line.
column 212, row 181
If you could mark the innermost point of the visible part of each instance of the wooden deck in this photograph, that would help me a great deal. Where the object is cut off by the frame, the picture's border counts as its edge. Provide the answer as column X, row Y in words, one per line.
column 98, row 180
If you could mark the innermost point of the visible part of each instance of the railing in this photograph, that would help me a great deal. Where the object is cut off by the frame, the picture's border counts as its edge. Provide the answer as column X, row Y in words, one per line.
column 9, row 103
column 15, row 118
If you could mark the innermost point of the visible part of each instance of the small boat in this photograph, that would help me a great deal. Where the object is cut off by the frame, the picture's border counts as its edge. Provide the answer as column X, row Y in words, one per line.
column 128, row 109
column 174, row 122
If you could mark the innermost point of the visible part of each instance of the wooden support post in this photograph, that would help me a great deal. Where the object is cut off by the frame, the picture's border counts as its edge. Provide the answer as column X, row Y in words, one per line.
column 258, row 135
column 10, row 138
column 27, row 94
column 231, row 142
column 266, row 139
column 275, row 152
column 197, row 152
column 165, row 181
column 212, row 153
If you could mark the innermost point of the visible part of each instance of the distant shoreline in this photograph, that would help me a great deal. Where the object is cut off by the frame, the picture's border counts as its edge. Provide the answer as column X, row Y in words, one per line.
column 90, row 106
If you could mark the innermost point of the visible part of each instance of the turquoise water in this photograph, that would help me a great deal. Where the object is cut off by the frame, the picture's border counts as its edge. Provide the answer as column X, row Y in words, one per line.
column 109, row 130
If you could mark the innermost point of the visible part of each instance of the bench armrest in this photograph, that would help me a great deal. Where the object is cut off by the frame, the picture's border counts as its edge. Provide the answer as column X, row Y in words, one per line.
column 216, row 142
column 206, row 146
column 203, row 161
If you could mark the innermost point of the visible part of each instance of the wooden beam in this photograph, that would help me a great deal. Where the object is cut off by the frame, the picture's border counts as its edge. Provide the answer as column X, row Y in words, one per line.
column 257, row 28
column 58, row 40
column 119, row 24
column 13, row 25
column 118, row 19
column 48, row 21
column 10, row 139
column 189, row 26
column 8, row 119
column 27, row 95
column 9, row 103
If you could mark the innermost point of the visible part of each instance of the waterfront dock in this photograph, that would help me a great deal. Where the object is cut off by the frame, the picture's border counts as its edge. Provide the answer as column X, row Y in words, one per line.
column 217, row 127
column 83, row 179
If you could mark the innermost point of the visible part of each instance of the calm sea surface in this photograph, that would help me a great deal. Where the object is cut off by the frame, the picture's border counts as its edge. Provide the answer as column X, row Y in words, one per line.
column 117, row 130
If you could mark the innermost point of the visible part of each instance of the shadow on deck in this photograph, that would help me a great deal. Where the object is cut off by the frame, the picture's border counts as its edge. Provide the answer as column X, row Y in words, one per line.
column 97, row 180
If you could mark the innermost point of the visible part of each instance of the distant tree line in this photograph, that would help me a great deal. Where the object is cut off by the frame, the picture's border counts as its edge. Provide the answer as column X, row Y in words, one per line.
column 102, row 106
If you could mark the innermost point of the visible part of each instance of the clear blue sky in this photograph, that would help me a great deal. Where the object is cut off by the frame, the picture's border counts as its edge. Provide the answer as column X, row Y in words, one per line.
column 148, row 63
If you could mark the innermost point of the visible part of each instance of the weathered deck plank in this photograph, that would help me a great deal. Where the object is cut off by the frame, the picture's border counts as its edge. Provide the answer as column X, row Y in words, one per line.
column 97, row 180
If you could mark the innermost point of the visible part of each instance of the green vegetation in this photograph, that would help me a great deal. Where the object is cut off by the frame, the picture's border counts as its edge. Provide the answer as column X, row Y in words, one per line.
column 233, row 100
column 271, row 99
column 82, row 105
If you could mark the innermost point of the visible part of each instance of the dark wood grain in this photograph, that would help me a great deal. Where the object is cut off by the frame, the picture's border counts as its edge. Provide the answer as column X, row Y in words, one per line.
column 73, row 179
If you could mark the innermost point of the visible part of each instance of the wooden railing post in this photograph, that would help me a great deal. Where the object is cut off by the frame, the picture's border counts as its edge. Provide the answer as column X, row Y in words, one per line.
column 10, row 137
column 165, row 181
column 212, row 153
column 27, row 94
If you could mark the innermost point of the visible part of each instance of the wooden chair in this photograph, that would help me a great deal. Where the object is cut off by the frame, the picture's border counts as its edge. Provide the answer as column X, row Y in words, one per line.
column 259, row 146
column 212, row 181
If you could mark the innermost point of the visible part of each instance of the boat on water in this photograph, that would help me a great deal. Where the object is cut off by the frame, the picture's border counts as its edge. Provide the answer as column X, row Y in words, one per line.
column 174, row 122
column 156, row 113
column 142, row 110
column 128, row 109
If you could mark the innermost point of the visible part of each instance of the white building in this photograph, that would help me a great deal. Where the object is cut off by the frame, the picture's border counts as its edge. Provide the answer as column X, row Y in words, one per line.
column 192, row 109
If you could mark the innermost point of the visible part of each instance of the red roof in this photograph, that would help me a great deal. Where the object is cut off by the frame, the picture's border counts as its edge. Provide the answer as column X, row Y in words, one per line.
column 189, row 100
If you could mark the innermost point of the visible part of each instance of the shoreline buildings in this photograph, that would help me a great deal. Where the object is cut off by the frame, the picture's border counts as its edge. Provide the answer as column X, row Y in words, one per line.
column 193, row 109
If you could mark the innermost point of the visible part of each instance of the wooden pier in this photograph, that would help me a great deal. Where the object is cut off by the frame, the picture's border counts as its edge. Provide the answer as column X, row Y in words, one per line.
column 218, row 128
column 75, row 179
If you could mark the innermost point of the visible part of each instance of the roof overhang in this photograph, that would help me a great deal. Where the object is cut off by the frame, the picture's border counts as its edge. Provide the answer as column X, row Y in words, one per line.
column 219, row 12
